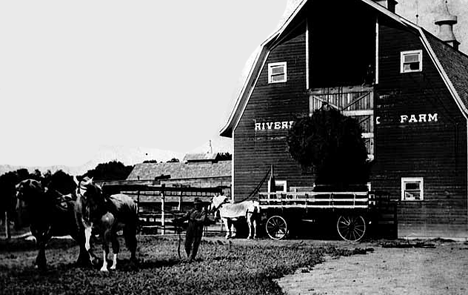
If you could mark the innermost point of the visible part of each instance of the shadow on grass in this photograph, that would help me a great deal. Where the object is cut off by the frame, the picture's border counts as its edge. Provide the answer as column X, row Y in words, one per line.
column 19, row 245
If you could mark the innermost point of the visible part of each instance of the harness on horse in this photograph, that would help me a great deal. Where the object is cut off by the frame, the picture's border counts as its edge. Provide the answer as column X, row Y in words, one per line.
column 61, row 201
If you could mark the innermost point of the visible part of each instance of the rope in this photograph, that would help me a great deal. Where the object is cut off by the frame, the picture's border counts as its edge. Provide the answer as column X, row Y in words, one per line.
column 257, row 188
column 178, row 228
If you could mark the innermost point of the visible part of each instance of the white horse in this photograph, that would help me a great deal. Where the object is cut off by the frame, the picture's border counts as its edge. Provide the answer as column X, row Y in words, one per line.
column 231, row 211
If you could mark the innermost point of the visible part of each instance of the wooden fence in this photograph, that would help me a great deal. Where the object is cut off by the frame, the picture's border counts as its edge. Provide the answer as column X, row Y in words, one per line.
column 159, row 205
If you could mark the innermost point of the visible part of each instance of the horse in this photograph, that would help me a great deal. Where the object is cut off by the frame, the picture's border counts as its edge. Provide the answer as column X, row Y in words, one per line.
column 108, row 215
column 231, row 211
column 50, row 213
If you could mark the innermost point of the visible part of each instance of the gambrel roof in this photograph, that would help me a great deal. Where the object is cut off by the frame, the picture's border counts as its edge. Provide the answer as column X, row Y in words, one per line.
column 451, row 64
column 455, row 64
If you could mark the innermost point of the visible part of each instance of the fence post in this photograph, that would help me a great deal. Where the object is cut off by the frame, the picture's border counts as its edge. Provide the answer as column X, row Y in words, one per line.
column 163, row 217
column 138, row 201
column 7, row 226
column 179, row 207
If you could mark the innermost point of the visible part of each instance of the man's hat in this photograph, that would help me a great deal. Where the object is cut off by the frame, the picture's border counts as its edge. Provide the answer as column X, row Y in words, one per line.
column 197, row 201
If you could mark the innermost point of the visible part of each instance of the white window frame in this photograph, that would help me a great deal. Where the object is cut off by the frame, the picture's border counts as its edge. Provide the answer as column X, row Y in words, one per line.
column 271, row 75
column 279, row 183
column 405, row 196
column 402, row 61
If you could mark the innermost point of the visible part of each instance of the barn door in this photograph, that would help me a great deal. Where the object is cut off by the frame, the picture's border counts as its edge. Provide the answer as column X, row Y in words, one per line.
column 356, row 102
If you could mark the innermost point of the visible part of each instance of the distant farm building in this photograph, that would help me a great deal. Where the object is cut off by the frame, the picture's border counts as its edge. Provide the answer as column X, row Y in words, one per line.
column 166, row 190
column 196, row 170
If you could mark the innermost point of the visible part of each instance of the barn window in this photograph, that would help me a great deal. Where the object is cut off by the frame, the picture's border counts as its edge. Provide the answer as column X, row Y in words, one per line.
column 280, row 186
column 412, row 189
column 277, row 72
column 411, row 61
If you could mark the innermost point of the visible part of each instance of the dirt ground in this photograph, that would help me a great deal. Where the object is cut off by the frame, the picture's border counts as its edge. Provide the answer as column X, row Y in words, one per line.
column 408, row 267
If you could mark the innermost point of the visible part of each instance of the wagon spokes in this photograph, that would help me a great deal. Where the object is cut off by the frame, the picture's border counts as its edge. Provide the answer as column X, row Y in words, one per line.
column 276, row 227
column 351, row 227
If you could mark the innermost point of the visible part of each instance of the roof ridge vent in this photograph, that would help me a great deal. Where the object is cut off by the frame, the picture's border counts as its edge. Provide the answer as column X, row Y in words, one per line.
column 445, row 21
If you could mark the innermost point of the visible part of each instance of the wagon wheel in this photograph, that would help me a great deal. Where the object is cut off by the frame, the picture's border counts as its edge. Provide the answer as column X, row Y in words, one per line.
column 351, row 227
column 276, row 227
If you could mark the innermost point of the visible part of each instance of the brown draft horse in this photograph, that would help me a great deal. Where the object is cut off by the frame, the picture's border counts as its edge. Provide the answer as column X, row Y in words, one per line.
column 51, row 214
column 108, row 215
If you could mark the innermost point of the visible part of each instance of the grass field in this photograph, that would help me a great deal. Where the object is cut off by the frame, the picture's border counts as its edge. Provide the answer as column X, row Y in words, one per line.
column 224, row 267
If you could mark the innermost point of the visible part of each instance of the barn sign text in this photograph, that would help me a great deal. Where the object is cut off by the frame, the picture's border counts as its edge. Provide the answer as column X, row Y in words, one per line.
column 415, row 118
column 278, row 125
column 420, row 118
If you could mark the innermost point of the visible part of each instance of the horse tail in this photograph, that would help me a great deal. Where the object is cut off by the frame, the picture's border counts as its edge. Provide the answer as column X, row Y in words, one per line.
column 134, row 217
column 254, row 208
column 137, row 221
column 257, row 207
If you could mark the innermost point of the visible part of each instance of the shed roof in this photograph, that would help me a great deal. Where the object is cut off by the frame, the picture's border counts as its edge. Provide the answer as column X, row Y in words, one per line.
column 200, row 157
column 149, row 171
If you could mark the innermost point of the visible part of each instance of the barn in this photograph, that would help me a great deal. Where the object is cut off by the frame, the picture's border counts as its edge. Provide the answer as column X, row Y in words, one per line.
column 406, row 87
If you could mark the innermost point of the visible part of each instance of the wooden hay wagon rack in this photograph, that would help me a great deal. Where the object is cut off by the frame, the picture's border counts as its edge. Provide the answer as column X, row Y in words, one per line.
column 349, row 212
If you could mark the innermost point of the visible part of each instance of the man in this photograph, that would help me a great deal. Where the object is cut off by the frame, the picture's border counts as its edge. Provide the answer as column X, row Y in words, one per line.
column 196, row 218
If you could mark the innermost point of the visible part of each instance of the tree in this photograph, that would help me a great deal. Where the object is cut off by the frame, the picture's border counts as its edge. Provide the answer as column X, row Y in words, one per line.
column 332, row 144
column 60, row 181
column 7, row 191
column 113, row 170
column 46, row 177
column 23, row 174
column 173, row 160
column 37, row 175
column 8, row 182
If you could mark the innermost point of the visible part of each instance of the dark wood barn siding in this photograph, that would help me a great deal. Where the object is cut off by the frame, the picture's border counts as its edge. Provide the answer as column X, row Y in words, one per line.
column 256, row 151
column 435, row 151
column 342, row 57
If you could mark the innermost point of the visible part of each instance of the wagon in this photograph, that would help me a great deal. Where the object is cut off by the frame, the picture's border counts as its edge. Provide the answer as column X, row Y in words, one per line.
column 350, row 212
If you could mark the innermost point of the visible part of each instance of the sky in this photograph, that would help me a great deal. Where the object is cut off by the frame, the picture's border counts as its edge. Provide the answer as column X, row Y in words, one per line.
column 424, row 13
column 79, row 75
